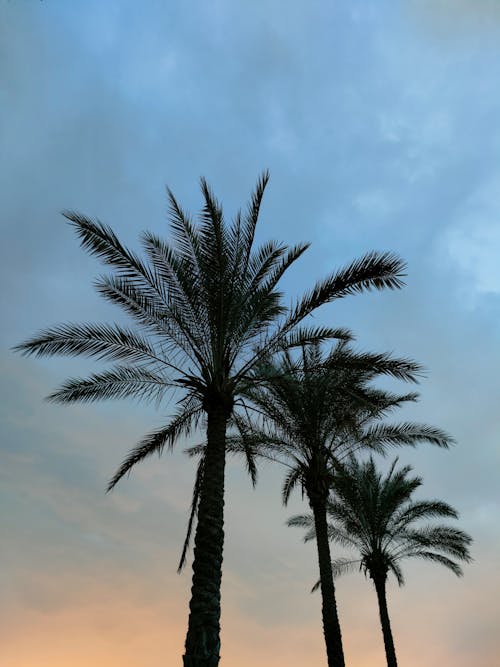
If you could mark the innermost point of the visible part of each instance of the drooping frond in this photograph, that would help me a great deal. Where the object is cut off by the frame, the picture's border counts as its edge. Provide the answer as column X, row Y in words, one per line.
column 301, row 521
column 154, row 443
column 339, row 566
column 442, row 538
column 248, row 442
column 422, row 509
column 292, row 478
column 195, row 450
column 193, row 512
column 342, row 566
column 438, row 558
column 396, row 570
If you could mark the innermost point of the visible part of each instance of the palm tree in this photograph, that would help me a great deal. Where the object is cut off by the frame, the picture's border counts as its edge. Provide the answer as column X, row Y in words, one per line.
column 314, row 411
column 377, row 516
column 207, row 310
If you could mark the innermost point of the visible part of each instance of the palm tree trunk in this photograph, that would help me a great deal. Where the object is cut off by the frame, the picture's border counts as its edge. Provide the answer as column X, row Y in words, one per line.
column 331, row 625
column 385, row 622
column 203, row 635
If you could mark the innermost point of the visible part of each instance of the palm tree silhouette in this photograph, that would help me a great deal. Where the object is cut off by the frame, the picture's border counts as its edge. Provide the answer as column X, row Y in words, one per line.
column 376, row 515
column 207, row 311
column 315, row 410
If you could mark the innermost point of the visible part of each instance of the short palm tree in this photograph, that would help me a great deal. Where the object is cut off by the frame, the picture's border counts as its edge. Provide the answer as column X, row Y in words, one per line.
column 207, row 310
column 377, row 515
column 315, row 409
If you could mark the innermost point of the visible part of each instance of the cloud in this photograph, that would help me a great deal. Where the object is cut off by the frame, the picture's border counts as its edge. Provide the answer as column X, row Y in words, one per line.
column 472, row 240
column 463, row 19
column 377, row 137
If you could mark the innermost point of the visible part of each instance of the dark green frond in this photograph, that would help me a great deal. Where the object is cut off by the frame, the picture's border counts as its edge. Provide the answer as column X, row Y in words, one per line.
column 118, row 382
column 373, row 364
column 406, row 433
column 143, row 306
column 396, row 571
column 195, row 450
column 154, row 443
column 316, row 586
column 249, row 453
column 372, row 271
column 342, row 566
column 442, row 538
column 423, row 509
column 100, row 240
column 439, row 558
column 192, row 513
column 291, row 480
column 301, row 521
column 313, row 335
column 252, row 215
column 102, row 341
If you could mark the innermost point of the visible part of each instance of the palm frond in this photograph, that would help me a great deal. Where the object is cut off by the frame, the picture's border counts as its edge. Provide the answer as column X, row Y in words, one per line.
column 439, row 558
column 300, row 521
column 193, row 512
column 396, row 571
column 181, row 425
column 292, row 478
column 118, row 382
column 252, row 215
column 422, row 509
column 405, row 433
column 371, row 364
column 301, row 336
column 100, row 240
column 102, row 341
column 372, row 271
column 316, row 586
column 342, row 566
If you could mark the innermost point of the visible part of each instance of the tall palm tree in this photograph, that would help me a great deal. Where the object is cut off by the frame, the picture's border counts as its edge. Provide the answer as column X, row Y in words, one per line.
column 377, row 515
column 207, row 310
column 315, row 410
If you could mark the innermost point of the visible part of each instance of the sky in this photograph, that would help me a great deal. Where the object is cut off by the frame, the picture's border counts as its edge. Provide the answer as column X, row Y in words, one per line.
column 380, row 125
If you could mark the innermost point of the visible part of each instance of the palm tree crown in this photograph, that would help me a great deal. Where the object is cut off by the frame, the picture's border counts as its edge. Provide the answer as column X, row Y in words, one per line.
column 318, row 408
column 377, row 515
column 314, row 409
column 207, row 310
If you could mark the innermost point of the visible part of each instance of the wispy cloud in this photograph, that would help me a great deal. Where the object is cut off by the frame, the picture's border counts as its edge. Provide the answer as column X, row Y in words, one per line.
column 472, row 240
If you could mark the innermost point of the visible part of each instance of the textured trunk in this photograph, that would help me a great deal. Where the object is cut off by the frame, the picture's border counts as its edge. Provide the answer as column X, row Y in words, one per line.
column 202, row 640
column 385, row 622
column 331, row 625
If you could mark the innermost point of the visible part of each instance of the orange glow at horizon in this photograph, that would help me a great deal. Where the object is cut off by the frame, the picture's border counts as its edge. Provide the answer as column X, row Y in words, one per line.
column 111, row 628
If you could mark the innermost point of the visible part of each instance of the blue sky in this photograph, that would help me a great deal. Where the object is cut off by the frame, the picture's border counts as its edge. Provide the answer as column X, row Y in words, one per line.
column 380, row 124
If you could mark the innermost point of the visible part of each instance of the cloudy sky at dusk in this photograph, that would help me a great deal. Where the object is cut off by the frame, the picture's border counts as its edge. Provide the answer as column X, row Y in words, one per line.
column 380, row 124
